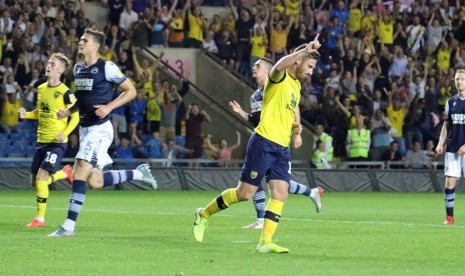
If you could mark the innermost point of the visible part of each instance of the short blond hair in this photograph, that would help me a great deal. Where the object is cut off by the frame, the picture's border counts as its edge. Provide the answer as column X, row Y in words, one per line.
column 61, row 57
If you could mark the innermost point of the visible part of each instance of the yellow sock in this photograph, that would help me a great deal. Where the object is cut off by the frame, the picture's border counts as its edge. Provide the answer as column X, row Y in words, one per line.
column 272, row 215
column 223, row 201
column 59, row 175
column 42, row 196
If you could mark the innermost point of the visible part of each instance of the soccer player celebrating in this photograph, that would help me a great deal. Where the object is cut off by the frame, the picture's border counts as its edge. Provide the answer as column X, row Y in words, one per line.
column 451, row 141
column 268, row 153
column 260, row 72
column 52, row 133
column 95, row 79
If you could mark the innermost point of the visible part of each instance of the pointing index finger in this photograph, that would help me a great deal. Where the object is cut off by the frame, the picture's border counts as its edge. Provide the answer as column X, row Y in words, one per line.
column 316, row 37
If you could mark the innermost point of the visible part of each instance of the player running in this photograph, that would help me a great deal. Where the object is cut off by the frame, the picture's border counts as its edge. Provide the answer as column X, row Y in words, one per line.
column 52, row 133
column 95, row 80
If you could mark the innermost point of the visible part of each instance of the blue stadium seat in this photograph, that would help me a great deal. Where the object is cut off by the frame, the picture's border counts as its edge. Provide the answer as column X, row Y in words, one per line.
column 18, row 136
column 13, row 151
column 22, row 144
column 3, row 136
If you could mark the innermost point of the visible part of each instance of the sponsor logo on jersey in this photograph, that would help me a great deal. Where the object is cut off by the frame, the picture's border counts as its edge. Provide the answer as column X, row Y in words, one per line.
column 84, row 84
column 458, row 119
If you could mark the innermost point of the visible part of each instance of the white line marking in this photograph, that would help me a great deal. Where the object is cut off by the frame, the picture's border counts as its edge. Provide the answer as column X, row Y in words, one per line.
column 398, row 223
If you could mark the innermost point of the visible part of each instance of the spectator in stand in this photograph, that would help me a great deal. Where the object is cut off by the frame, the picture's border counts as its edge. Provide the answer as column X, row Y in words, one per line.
column 172, row 152
column 11, row 103
column 298, row 35
column 358, row 141
column 397, row 111
column 115, row 8
column 393, row 155
column 176, row 28
column 435, row 32
column 124, row 62
column 226, row 49
column 340, row 12
column 386, row 30
column 380, row 137
column 278, row 38
column 354, row 20
column 400, row 36
column 321, row 135
column 398, row 68
column 209, row 43
column 319, row 156
column 243, row 32
column 141, row 30
column 416, row 158
column 127, row 17
column 169, row 107
column 145, row 71
column 194, row 120
column 197, row 23
column 153, row 114
column 332, row 34
column 259, row 43
column 159, row 28
column 154, row 146
column 167, row 13
column 412, row 122
column 124, row 150
column 415, row 33
column 181, row 111
column 443, row 57
column 223, row 151
column 137, row 109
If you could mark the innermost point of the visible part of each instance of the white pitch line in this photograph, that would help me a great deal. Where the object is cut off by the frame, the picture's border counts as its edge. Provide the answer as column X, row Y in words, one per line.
column 398, row 223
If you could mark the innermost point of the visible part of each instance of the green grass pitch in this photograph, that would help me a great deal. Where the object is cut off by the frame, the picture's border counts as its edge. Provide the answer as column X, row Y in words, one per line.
column 149, row 233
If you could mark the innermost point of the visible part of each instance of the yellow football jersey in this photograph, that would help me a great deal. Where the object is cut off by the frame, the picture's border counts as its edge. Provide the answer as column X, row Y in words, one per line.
column 280, row 99
column 49, row 101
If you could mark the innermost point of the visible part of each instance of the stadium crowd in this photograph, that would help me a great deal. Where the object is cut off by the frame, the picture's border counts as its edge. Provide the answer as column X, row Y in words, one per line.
column 378, row 92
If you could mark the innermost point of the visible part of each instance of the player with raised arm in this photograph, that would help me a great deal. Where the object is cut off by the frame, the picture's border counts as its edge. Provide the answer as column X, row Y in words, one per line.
column 268, row 153
column 95, row 80
column 452, row 143
column 260, row 72
column 52, row 133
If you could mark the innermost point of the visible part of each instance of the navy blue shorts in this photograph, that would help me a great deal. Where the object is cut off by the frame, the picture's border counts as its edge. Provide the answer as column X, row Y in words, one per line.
column 265, row 158
column 48, row 157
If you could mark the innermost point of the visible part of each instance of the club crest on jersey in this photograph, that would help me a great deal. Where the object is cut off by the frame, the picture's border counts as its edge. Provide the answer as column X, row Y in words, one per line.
column 94, row 70
column 56, row 95
column 253, row 174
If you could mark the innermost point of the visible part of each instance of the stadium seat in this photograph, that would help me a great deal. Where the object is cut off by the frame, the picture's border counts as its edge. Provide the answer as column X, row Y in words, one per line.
column 22, row 144
column 13, row 151
column 18, row 136
column 4, row 137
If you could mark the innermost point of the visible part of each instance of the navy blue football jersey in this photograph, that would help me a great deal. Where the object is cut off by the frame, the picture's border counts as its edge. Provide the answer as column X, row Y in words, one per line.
column 95, row 85
column 455, row 115
column 256, row 107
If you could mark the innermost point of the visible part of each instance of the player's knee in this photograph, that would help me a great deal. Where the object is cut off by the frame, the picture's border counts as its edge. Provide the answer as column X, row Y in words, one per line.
column 42, row 175
column 95, row 180
column 245, row 191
